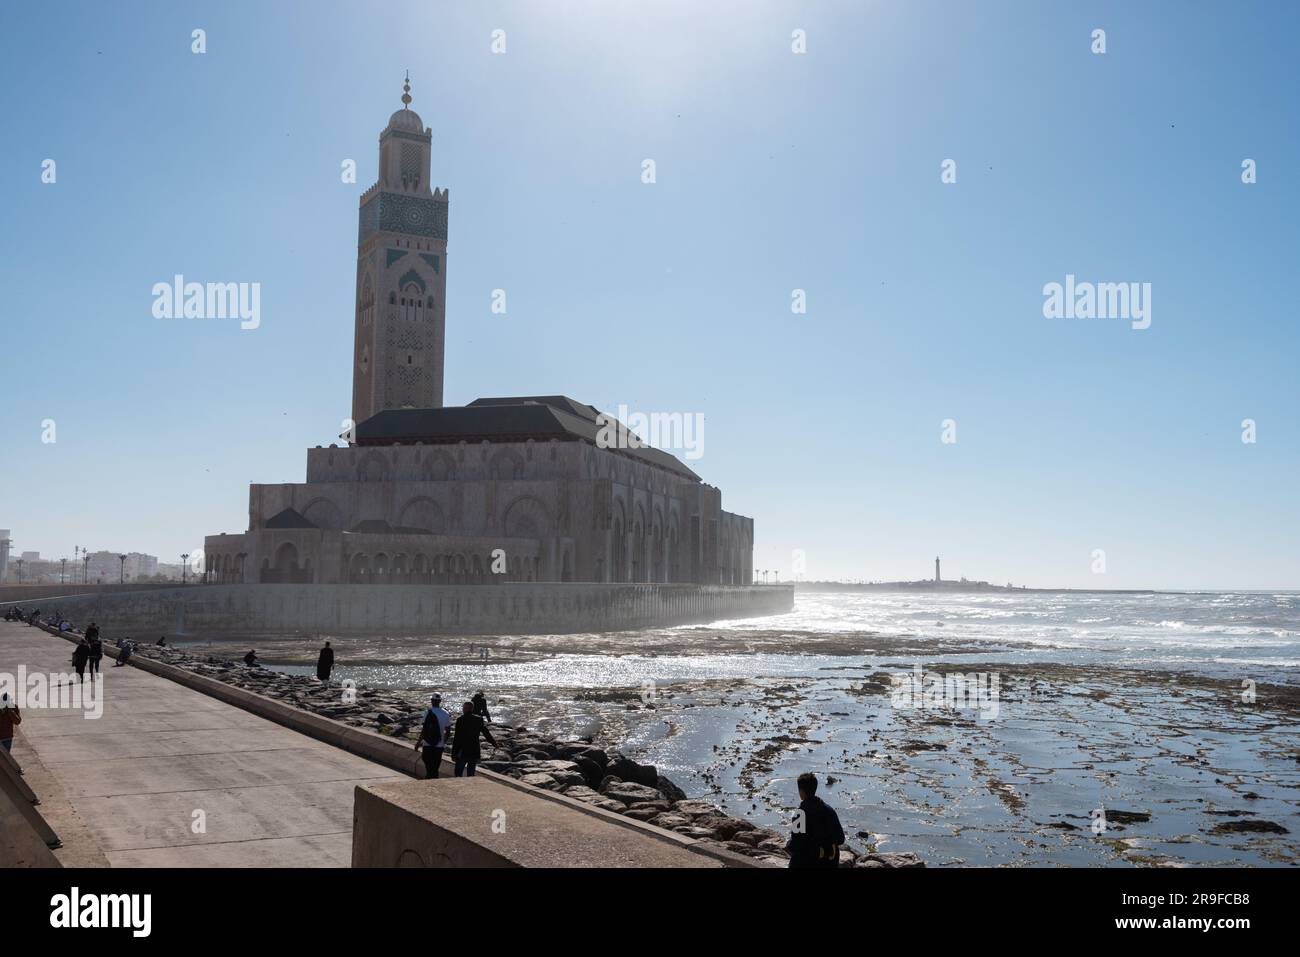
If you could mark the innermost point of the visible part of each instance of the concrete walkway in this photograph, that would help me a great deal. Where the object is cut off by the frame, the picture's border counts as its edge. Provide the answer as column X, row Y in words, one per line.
column 168, row 777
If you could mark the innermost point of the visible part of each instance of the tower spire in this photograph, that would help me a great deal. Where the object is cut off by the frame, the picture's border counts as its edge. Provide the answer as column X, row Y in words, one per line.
column 406, row 92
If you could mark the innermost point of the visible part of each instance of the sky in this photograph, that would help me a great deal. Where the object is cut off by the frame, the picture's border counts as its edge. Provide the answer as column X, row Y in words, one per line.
column 775, row 171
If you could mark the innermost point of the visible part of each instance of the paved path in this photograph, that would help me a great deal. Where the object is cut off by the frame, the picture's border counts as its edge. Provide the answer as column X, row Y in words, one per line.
column 132, row 780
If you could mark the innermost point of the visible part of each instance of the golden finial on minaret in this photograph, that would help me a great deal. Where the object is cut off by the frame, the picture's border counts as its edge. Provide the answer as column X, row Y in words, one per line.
column 406, row 92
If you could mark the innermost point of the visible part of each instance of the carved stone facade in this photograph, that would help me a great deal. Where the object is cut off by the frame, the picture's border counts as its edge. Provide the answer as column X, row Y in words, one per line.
column 551, row 510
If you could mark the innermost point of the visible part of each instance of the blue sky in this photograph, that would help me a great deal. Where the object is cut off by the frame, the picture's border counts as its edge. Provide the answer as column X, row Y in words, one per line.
column 775, row 171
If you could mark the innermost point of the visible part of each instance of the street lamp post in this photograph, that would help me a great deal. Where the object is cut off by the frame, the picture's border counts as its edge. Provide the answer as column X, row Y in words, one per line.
column 85, row 567
column 121, row 569
column 63, row 569
column 184, row 565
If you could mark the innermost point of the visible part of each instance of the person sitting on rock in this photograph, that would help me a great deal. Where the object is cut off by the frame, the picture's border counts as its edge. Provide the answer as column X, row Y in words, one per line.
column 480, row 705
column 817, row 835
column 125, row 647
column 250, row 659
column 464, row 740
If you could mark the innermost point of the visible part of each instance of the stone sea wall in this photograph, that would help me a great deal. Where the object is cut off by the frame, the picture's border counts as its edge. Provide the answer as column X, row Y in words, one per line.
column 399, row 610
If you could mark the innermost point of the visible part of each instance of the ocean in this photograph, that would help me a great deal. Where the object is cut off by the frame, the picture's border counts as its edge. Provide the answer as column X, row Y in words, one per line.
column 1130, row 729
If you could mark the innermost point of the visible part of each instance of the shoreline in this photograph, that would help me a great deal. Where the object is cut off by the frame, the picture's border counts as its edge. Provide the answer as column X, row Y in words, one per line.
column 575, row 767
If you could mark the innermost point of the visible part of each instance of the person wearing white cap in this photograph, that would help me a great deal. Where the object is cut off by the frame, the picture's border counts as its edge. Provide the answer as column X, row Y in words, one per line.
column 433, row 736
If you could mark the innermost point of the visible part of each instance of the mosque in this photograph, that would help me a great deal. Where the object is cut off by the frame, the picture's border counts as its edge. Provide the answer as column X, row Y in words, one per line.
column 519, row 489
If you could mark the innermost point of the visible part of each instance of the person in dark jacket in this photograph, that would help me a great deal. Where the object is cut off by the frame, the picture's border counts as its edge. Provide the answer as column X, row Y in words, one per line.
column 96, row 652
column 480, row 705
column 325, row 663
column 464, row 740
column 817, row 836
column 9, row 717
column 433, row 736
column 80, row 655
column 250, row 659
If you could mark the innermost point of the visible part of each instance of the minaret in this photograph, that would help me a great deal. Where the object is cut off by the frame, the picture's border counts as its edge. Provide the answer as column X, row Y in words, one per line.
column 401, row 275
column 937, row 579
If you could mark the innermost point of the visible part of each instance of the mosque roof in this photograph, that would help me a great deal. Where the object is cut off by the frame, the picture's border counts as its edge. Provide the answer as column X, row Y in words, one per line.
column 289, row 518
column 406, row 119
column 510, row 419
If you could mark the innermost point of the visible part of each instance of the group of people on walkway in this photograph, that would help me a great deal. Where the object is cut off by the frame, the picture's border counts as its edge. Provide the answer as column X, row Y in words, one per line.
column 89, row 651
column 18, row 613
column 438, row 735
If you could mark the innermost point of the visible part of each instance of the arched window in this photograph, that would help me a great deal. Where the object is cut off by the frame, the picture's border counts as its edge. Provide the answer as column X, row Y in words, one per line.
column 411, row 303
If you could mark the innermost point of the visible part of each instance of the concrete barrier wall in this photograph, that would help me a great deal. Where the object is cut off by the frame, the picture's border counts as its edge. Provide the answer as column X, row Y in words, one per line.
column 399, row 610
column 475, row 822
column 35, row 594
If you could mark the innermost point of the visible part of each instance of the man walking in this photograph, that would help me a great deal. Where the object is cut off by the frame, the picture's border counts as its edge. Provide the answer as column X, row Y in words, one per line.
column 817, row 836
column 96, row 651
column 480, row 705
column 325, row 663
column 433, row 736
column 80, row 655
column 464, row 740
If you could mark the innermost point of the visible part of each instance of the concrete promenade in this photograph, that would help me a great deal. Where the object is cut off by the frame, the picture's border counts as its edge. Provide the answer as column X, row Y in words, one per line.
column 170, row 777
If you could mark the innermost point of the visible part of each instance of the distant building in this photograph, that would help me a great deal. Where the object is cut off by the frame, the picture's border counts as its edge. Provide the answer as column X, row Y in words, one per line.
column 4, row 553
column 108, row 566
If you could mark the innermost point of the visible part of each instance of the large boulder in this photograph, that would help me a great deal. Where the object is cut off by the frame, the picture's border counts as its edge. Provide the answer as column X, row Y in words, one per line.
column 575, row 750
column 694, row 808
column 629, row 770
column 904, row 859
column 641, row 813
column 591, row 770
column 726, row 827
column 698, row 833
column 657, row 806
column 540, row 780
column 629, row 793
column 580, row 792
column 670, row 821
column 549, row 767
column 669, row 790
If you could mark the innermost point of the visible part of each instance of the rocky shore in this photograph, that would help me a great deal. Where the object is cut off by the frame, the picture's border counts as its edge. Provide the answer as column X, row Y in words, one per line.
column 577, row 768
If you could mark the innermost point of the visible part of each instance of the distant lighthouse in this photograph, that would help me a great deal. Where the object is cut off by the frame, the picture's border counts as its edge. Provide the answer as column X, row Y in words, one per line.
column 937, row 579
